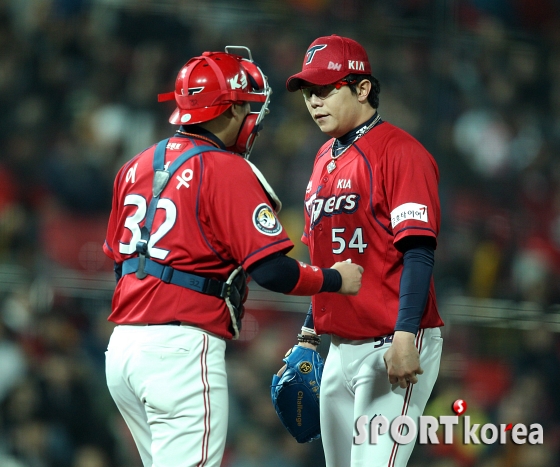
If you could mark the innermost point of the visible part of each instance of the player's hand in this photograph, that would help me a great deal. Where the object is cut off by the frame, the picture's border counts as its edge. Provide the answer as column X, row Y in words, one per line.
column 351, row 277
column 302, row 344
column 281, row 371
column 402, row 360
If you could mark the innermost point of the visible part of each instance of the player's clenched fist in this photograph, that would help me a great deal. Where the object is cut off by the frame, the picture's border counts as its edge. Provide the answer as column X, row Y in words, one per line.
column 351, row 277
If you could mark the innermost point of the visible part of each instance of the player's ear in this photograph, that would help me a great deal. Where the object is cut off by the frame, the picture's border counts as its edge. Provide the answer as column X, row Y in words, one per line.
column 363, row 89
column 228, row 113
column 239, row 111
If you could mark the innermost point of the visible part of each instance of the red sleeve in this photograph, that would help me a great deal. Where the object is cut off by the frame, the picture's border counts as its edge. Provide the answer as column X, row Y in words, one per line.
column 240, row 214
column 109, row 243
column 411, row 183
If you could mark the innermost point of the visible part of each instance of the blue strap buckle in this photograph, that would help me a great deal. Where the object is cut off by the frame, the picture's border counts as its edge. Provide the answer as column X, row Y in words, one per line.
column 167, row 274
column 142, row 249
column 141, row 271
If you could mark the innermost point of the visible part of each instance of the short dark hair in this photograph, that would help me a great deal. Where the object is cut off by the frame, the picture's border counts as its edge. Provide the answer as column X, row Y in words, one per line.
column 373, row 96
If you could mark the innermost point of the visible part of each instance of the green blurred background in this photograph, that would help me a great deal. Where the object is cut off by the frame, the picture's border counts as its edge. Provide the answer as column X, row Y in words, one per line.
column 476, row 81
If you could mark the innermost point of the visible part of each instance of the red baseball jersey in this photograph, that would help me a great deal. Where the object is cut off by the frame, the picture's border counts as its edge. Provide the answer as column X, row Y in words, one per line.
column 212, row 216
column 384, row 188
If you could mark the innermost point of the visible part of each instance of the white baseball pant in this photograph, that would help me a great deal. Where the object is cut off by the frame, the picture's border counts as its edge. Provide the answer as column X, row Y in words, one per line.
column 170, row 385
column 355, row 383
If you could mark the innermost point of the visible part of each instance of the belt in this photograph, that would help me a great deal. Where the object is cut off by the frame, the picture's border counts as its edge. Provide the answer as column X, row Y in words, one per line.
column 170, row 323
column 380, row 341
column 178, row 323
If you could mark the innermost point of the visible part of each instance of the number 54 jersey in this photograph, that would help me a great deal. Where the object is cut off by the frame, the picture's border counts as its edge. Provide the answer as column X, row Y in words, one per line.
column 383, row 189
column 212, row 216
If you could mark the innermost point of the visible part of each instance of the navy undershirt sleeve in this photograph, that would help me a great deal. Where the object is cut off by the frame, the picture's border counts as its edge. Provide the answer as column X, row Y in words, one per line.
column 280, row 273
column 332, row 280
column 308, row 323
column 415, row 285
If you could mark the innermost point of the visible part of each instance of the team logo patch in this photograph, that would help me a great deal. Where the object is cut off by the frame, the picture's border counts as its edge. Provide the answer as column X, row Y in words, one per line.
column 265, row 220
column 408, row 212
column 305, row 367
column 192, row 91
column 235, row 84
column 312, row 51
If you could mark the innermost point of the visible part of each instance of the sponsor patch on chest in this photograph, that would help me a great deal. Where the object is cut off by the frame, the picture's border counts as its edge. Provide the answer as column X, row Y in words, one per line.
column 409, row 211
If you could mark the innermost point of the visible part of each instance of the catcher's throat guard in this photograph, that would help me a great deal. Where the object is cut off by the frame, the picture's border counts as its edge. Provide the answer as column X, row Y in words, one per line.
column 295, row 394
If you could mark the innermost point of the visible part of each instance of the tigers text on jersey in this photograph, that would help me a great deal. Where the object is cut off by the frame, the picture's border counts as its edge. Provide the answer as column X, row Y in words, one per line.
column 384, row 188
column 212, row 216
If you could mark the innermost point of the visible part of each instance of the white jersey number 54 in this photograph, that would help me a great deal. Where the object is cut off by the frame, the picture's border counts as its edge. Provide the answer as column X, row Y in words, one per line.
column 339, row 240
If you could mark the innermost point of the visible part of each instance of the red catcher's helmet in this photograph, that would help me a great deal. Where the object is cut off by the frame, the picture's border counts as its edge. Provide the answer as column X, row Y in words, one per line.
column 207, row 86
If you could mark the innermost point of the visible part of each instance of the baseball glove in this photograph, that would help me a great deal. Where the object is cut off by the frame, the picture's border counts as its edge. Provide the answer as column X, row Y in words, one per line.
column 295, row 394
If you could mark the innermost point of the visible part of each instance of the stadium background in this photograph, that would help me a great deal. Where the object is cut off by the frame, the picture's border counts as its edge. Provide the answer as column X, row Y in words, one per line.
column 477, row 81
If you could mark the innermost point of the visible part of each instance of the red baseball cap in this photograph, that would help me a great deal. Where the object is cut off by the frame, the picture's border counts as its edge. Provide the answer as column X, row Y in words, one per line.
column 329, row 59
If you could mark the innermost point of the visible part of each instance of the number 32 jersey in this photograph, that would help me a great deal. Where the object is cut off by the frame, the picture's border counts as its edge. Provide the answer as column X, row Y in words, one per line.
column 212, row 216
column 384, row 188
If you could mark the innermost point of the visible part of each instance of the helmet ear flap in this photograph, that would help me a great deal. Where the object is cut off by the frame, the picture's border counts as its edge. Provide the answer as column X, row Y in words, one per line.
column 247, row 134
column 255, row 75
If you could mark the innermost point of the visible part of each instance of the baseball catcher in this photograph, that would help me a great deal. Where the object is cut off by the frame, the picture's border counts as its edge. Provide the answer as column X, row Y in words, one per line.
column 295, row 393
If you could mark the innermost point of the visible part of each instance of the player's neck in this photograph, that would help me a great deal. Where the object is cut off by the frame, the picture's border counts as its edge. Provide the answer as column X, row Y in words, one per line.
column 226, row 126
column 361, row 127
column 196, row 131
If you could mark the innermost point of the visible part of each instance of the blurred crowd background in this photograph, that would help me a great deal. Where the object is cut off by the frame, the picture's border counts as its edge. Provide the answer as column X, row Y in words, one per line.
column 476, row 81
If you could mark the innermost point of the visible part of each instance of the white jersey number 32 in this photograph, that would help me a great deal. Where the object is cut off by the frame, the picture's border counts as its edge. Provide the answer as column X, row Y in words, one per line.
column 132, row 223
column 339, row 241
